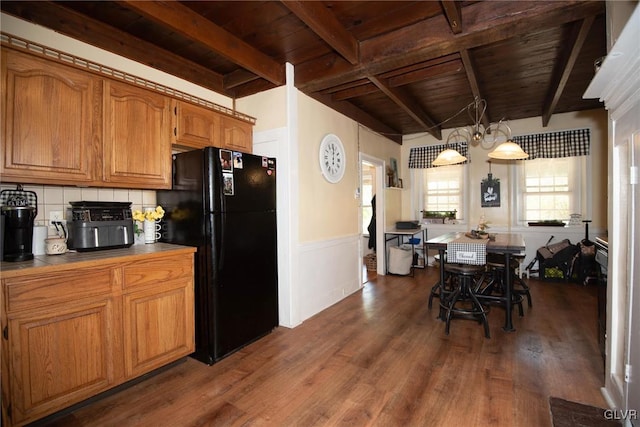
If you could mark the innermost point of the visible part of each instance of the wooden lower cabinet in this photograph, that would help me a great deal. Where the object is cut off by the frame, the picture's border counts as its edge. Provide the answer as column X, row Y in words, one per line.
column 157, row 327
column 72, row 334
column 62, row 356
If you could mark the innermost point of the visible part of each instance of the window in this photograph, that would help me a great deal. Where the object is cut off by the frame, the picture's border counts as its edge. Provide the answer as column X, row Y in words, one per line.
column 440, row 188
column 551, row 189
column 443, row 189
column 554, row 183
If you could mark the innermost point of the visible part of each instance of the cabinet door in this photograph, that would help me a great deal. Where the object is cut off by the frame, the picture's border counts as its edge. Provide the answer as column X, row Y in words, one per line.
column 62, row 356
column 158, row 325
column 137, row 137
column 236, row 135
column 195, row 126
column 50, row 129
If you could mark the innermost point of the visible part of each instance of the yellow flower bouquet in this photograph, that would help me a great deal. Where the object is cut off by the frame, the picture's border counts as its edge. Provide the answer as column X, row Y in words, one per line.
column 149, row 214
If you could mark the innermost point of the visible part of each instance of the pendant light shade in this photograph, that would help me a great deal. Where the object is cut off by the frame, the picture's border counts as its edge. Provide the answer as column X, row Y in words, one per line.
column 448, row 157
column 508, row 151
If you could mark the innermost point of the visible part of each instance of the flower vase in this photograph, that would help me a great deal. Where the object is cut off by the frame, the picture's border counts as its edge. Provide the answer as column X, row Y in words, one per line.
column 151, row 231
column 138, row 233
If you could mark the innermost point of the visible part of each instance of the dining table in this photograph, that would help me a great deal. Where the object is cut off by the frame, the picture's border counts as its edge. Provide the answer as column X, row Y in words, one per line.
column 508, row 244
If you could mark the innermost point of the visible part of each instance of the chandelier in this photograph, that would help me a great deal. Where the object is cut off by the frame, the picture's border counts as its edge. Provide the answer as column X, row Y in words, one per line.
column 487, row 137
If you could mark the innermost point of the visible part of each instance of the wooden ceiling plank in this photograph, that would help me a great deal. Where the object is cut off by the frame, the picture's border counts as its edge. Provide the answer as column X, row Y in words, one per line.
column 409, row 106
column 322, row 22
column 72, row 24
column 451, row 10
column 360, row 116
column 564, row 66
column 432, row 38
column 473, row 82
column 185, row 21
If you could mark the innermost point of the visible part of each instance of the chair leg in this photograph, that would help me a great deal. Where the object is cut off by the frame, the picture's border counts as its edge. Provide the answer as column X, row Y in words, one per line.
column 482, row 313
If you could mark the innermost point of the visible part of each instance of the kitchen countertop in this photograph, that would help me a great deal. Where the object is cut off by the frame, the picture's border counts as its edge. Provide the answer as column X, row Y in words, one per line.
column 47, row 263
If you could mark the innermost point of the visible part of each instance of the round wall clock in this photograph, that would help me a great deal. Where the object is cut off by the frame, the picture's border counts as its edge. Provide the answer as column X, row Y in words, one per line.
column 332, row 158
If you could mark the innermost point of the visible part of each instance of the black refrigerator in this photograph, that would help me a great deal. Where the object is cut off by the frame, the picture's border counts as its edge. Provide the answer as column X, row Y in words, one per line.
column 224, row 203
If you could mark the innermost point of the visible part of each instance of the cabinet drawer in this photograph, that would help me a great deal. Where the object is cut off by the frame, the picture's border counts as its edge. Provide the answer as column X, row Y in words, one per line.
column 157, row 271
column 45, row 290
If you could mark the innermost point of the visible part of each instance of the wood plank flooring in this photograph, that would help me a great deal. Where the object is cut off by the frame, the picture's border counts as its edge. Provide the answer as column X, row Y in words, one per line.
column 381, row 358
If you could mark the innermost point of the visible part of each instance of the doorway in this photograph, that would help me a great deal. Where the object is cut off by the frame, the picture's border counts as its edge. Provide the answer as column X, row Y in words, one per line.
column 371, row 186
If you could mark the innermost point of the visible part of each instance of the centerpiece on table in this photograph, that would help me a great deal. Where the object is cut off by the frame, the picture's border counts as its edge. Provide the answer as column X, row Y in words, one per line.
column 149, row 218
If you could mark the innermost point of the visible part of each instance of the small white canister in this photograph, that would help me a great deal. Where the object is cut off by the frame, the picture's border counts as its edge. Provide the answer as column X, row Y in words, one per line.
column 39, row 235
column 56, row 245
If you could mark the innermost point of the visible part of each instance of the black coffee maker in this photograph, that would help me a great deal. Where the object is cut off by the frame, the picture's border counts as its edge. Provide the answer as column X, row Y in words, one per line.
column 19, row 209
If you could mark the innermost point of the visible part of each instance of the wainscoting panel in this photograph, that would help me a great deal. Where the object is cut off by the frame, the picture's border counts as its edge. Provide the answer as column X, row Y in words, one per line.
column 329, row 271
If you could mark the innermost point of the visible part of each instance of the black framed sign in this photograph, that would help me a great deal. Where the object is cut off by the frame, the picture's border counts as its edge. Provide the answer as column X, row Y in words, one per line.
column 490, row 192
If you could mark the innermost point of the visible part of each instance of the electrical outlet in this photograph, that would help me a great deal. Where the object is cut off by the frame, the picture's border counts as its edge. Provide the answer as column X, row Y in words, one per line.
column 56, row 216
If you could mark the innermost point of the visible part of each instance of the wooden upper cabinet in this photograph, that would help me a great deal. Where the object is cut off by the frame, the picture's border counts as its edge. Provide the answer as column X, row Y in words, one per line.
column 49, row 132
column 195, row 126
column 236, row 134
column 137, row 137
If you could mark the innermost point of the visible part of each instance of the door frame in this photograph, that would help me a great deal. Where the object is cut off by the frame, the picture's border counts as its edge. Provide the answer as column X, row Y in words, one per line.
column 380, row 168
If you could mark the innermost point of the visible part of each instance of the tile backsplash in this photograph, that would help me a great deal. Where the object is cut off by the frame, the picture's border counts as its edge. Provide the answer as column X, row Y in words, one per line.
column 56, row 198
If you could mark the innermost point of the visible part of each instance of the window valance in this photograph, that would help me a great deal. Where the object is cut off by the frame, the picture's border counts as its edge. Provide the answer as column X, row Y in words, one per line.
column 550, row 145
column 422, row 157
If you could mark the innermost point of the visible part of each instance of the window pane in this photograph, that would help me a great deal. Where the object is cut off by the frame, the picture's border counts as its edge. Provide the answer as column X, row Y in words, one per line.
column 548, row 189
column 443, row 188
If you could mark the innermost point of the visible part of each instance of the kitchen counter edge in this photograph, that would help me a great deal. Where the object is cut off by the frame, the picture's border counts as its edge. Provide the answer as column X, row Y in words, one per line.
column 51, row 263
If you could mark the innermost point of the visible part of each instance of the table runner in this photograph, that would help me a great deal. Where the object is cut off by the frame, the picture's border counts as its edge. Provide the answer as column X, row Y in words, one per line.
column 465, row 250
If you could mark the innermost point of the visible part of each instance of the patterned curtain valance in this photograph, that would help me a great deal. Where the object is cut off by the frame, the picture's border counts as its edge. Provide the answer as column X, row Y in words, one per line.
column 567, row 143
column 421, row 157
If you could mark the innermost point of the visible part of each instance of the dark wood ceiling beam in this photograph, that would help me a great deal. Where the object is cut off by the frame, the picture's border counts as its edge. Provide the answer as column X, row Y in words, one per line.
column 347, row 91
column 188, row 23
column 322, row 22
column 486, row 22
column 452, row 11
column 238, row 78
column 418, row 75
column 360, row 116
column 409, row 106
column 354, row 92
column 473, row 82
column 80, row 27
column 564, row 66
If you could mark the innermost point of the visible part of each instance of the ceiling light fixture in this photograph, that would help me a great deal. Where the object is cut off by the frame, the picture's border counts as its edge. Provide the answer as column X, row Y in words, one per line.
column 508, row 150
column 476, row 112
column 450, row 156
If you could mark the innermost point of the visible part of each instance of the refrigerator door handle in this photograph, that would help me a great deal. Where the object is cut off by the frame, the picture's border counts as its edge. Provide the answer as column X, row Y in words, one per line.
column 223, row 220
column 217, row 166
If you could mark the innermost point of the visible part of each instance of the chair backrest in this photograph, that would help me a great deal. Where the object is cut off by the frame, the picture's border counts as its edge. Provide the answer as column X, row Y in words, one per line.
column 467, row 253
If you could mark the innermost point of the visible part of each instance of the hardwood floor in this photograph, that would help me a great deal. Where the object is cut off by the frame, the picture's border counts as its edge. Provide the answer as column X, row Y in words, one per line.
column 381, row 358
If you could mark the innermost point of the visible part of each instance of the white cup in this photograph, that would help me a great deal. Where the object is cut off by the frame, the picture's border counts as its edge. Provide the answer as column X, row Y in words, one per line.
column 55, row 245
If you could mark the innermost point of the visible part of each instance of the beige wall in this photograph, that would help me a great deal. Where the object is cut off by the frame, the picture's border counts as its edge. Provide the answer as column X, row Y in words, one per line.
column 326, row 210
column 596, row 120
column 268, row 107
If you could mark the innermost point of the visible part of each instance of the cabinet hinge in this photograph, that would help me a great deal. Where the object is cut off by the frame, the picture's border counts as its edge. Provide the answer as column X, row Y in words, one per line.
column 175, row 111
column 175, row 132
column 5, row 333
column 9, row 411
